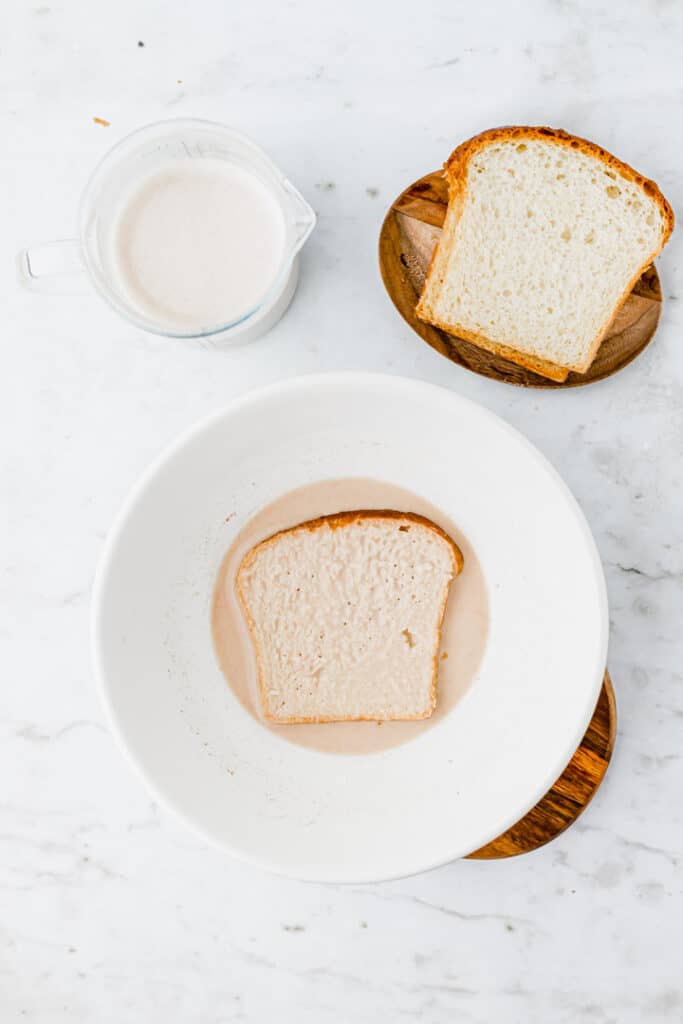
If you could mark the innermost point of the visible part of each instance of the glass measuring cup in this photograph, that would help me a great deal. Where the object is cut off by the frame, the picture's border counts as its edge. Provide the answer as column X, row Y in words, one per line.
column 52, row 266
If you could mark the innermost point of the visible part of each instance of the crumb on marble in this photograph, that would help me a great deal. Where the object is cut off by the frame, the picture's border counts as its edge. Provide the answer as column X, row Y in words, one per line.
column 101, row 120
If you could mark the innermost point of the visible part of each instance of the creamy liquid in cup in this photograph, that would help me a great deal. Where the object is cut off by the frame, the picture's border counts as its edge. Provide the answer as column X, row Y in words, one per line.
column 197, row 244
column 463, row 638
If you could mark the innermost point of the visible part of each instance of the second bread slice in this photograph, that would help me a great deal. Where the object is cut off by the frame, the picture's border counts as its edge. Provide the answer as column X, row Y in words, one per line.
column 544, row 238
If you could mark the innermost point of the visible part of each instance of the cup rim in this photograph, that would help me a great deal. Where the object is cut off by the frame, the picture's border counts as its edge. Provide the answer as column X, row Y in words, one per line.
column 277, row 286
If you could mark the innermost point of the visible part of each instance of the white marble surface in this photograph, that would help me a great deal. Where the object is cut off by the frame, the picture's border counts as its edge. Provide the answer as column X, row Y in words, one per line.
column 109, row 910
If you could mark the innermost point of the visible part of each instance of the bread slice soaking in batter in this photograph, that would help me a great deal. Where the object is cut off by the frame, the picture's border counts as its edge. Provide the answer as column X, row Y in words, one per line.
column 345, row 615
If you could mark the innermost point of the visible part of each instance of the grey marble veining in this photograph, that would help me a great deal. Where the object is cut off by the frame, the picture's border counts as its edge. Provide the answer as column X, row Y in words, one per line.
column 111, row 911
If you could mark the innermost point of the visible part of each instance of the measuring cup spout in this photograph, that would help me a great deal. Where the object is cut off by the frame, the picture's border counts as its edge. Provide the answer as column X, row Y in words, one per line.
column 303, row 215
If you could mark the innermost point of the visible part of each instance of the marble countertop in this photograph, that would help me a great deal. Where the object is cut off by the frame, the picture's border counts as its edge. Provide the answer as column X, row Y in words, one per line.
column 110, row 910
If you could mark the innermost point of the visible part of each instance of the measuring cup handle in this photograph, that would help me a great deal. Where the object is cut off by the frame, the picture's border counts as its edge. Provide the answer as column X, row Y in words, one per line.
column 52, row 267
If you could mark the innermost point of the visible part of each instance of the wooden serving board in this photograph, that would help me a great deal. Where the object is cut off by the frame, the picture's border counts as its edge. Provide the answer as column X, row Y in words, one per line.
column 571, row 794
column 410, row 231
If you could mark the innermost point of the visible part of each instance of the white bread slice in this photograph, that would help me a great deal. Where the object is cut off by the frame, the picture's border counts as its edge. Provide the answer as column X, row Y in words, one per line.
column 345, row 614
column 544, row 238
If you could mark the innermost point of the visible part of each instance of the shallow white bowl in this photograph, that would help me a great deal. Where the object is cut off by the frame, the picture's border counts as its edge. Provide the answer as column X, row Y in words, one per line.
column 333, row 817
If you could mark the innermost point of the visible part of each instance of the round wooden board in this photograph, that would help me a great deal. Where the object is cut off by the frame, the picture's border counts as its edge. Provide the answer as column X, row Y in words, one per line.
column 409, row 233
column 571, row 794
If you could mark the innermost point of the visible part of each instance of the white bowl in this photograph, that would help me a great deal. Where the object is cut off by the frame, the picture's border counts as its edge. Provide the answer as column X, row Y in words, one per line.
column 322, row 816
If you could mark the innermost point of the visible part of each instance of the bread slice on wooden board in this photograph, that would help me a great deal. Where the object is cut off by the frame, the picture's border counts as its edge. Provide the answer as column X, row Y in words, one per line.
column 544, row 237
column 345, row 615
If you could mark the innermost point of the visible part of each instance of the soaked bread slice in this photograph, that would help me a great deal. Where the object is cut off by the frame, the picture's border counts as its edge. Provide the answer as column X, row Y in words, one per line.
column 345, row 615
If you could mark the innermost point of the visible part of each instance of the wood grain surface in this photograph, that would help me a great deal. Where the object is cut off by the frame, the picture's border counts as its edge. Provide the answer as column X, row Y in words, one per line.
column 571, row 794
column 409, row 233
